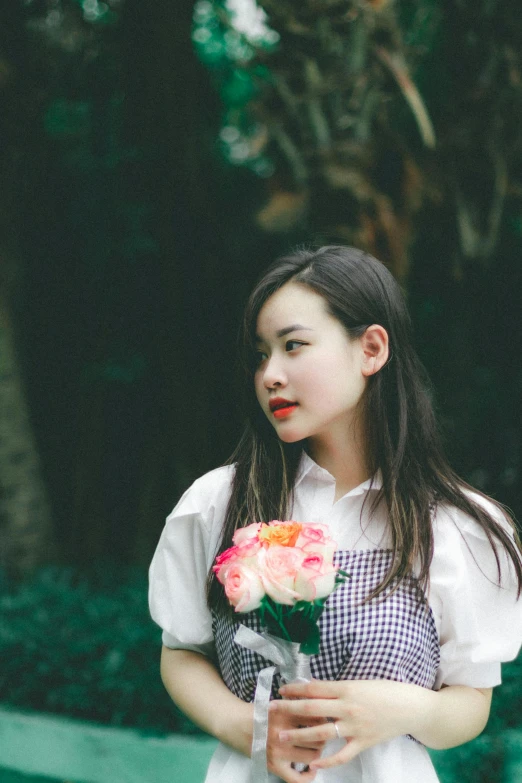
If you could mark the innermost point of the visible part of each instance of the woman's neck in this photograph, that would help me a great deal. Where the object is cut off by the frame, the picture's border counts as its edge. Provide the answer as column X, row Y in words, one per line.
column 343, row 457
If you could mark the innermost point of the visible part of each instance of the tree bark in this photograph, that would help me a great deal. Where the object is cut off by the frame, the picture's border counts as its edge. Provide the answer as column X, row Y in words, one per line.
column 26, row 533
column 25, row 519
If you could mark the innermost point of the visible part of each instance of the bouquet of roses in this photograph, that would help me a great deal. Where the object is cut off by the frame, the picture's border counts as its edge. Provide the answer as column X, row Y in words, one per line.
column 284, row 571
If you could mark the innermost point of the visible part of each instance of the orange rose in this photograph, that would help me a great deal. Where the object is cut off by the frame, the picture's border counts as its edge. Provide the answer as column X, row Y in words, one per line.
column 280, row 533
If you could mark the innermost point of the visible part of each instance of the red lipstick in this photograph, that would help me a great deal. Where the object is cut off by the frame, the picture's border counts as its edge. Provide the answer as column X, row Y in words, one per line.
column 281, row 408
column 282, row 413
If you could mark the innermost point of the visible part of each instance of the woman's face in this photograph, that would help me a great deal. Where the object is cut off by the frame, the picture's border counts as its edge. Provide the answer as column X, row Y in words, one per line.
column 306, row 359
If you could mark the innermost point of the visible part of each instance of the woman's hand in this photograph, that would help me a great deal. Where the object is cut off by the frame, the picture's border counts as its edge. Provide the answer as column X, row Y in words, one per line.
column 366, row 712
column 281, row 754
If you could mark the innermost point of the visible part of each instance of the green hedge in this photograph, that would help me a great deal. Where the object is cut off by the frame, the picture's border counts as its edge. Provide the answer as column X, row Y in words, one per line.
column 85, row 646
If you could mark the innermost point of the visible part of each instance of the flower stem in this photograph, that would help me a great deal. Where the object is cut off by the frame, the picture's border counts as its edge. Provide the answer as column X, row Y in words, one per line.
column 278, row 616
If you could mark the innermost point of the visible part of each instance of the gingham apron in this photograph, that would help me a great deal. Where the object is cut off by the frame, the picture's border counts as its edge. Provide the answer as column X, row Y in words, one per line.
column 392, row 637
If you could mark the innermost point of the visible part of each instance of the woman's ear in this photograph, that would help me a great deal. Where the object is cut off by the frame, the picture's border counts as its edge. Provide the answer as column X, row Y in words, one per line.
column 375, row 347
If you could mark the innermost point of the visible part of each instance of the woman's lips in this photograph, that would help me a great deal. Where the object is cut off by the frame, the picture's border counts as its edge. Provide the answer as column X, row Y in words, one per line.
column 281, row 413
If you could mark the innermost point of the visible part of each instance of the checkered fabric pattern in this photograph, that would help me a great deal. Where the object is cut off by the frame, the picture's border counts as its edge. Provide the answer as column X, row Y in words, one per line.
column 392, row 637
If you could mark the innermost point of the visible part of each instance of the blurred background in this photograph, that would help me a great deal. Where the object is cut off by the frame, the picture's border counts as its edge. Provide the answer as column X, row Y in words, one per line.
column 154, row 159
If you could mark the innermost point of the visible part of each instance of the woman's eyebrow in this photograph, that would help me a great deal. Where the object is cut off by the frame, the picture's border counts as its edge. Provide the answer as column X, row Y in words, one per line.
column 287, row 330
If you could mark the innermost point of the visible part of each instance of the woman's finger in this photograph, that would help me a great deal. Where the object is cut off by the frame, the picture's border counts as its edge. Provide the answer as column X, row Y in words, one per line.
column 303, row 742
column 319, row 745
column 289, row 752
column 313, row 708
column 343, row 756
column 315, row 689
column 296, row 722
column 305, row 736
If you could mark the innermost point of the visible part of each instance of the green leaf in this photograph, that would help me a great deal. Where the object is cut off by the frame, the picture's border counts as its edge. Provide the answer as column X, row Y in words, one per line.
column 317, row 612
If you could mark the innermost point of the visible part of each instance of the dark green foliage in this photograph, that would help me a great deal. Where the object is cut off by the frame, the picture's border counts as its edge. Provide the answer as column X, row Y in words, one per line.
column 507, row 702
column 479, row 761
column 296, row 623
column 482, row 761
column 85, row 647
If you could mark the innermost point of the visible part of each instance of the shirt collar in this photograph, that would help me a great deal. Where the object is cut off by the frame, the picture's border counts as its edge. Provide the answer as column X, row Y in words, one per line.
column 307, row 467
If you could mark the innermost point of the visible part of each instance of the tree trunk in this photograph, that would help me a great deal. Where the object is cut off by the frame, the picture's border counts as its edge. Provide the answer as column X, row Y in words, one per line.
column 26, row 535
column 25, row 520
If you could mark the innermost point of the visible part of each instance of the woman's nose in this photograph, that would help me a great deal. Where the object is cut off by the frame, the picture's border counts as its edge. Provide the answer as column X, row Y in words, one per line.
column 274, row 374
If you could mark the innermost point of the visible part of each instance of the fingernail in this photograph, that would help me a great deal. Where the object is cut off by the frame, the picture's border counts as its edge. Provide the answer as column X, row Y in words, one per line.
column 283, row 736
column 282, row 690
column 272, row 705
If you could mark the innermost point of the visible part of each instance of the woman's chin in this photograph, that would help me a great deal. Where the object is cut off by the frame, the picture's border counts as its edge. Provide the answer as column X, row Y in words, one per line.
column 289, row 435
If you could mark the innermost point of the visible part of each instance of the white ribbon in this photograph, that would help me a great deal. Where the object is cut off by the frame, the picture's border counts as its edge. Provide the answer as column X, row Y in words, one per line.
column 294, row 667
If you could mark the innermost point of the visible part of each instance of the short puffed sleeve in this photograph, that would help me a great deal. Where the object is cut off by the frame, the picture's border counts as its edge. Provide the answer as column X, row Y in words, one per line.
column 480, row 621
column 179, row 567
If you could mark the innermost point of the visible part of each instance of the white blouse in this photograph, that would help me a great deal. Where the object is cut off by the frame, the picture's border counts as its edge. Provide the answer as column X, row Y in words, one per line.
column 479, row 624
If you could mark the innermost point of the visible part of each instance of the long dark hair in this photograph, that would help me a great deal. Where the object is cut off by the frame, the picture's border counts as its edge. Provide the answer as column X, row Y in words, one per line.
column 399, row 423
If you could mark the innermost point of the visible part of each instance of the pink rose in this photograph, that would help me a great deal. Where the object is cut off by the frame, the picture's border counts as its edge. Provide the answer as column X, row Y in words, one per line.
column 248, row 549
column 314, row 538
column 244, row 553
column 279, row 567
column 223, row 560
column 316, row 578
column 313, row 531
column 243, row 587
column 246, row 533
column 326, row 550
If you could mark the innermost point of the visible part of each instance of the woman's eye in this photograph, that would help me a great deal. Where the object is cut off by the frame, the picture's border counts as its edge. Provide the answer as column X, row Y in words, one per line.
column 291, row 345
column 259, row 357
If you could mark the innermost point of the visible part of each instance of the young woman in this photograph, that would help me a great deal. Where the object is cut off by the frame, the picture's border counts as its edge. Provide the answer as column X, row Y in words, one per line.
column 340, row 430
